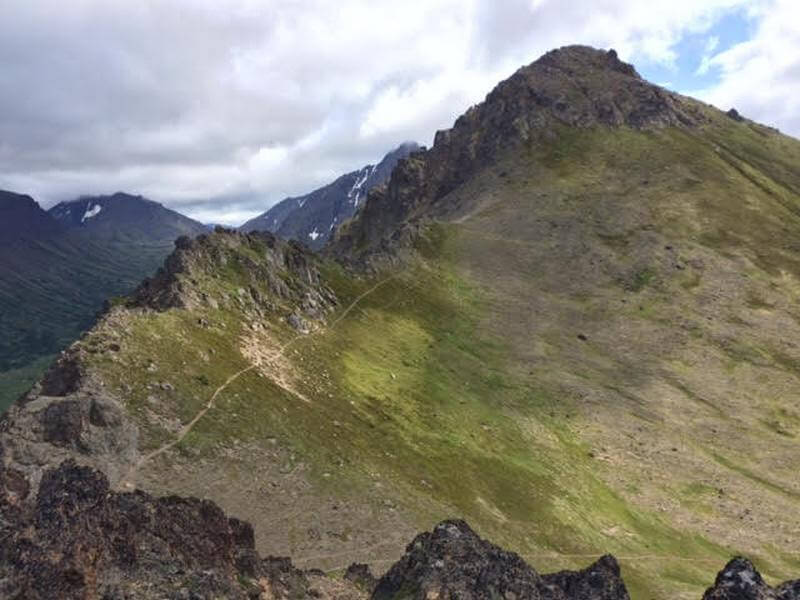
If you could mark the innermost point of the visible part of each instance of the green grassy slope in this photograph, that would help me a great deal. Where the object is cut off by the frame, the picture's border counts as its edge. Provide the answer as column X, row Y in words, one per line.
column 598, row 357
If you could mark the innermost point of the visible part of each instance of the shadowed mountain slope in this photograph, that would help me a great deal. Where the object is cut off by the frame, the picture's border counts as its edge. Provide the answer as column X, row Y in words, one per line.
column 57, row 270
column 22, row 218
column 124, row 216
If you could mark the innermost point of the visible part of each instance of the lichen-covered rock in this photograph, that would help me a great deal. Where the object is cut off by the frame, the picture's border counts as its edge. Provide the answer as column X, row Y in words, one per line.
column 271, row 271
column 453, row 562
column 740, row 580
column 599, row 581
column 85, row 422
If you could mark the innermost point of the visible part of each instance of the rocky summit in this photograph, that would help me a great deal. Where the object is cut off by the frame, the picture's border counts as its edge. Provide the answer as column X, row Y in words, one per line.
column 575, row 86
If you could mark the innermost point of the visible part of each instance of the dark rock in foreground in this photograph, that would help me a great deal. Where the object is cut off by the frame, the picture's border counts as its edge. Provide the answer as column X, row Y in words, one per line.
column 599, row 580
column 453, row 562
column 78, row 539
column 81, row 540
column 740, row 580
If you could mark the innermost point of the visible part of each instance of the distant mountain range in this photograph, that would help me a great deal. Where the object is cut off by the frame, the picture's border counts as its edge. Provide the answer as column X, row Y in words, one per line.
column 58, row 267
column 312, row 218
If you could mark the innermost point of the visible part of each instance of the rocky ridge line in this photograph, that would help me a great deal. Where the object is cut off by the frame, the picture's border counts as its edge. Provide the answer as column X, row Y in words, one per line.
column 71, row 414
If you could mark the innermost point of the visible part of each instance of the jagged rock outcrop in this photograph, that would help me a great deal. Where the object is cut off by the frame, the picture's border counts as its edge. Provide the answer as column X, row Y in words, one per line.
column 80, row 540
column 453, row 562
column 599, row 580
column 575, row 86
column 68, row 415
column 735, row 115
column 271, row 271
column 76, row 538
column 740, row 580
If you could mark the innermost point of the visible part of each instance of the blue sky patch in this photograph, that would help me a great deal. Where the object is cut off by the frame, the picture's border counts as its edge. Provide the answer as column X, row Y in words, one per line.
column 687, row 73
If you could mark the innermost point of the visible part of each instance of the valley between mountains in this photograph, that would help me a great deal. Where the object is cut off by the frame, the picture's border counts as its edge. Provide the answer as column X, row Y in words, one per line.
column 572, row 322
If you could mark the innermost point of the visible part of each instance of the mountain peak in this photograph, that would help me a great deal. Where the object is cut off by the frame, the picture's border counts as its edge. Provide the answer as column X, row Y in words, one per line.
column 123, row 212
column 577, row 58
column 102, row 199
column 581, row 86
column 8, row 198
column 571, row 87
column 22, row 217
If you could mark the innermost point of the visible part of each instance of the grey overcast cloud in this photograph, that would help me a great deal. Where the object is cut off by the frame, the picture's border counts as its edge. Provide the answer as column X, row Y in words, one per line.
column 220, row 108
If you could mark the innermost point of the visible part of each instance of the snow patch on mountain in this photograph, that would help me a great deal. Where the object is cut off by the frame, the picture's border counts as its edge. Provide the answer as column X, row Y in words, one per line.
column 91, row 211
column 356, row 192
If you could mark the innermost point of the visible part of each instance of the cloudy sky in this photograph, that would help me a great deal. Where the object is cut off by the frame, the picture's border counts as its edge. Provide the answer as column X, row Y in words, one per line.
column 220, row 108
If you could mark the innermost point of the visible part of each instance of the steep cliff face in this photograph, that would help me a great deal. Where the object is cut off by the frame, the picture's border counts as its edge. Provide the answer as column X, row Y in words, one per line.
column 284, row 270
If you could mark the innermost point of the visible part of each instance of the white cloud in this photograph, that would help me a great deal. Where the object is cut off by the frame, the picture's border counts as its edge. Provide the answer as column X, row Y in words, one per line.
column 761, row 76
column 705, row 63
column 222, row 108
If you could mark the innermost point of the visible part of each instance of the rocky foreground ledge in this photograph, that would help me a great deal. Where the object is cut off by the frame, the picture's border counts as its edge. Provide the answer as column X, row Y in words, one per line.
column 77, row 539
